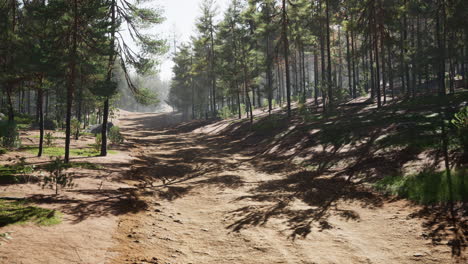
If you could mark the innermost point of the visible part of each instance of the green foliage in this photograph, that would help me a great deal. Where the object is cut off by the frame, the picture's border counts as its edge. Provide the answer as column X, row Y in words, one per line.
column 75, row 127
column 115, row 136
column 225, row 113
column 21, row 166
column 97, row 142
column 49, row 139
column 427, row 187
column 3, row 151
column 17, row 172
column 20, row 212
column 50, row 124
column 460, row 121
column 60, row 151
column 243, row 109
column 104, row 88
column 9, row 135
column 146, row 97
column 57, row 175
column 23, row 121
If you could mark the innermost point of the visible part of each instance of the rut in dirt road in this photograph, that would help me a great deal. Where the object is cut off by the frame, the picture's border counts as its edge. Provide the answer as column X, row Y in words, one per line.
column 212, row 201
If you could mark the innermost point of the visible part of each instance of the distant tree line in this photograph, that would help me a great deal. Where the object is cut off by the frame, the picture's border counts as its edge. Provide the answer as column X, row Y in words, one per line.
column 264, row 53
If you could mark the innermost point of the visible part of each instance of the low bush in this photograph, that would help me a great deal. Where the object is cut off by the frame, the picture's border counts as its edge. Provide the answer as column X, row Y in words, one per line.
column 57, row 175
column 75, row 127
column 115, row 136
column 9, row 135
column 428, row 186
column 49, row 139
column 225, row 113
column 97, row 142
column 460, row 121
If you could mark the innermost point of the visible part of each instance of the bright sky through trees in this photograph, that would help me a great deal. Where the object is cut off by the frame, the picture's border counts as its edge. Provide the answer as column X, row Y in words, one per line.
column 181, row 15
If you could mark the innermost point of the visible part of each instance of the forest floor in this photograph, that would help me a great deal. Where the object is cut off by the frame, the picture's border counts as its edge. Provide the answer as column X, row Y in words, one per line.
column 222, row 192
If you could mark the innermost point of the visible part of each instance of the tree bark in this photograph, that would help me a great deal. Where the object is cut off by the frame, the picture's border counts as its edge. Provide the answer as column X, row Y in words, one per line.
column 286, row 57
column 71, row 82
column 329, row 69
column 41, row 117
column 111, row 61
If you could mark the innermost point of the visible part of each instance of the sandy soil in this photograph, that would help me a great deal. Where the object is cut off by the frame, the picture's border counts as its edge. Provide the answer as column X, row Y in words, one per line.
column 90, row 210
column 210, row 201
column 176, row 196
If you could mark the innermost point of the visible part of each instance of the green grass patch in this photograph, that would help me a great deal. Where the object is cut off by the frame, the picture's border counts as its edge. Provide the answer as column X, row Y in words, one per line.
column 7, row 175
column 427, row 187
column 20, row 212
column 60, row 151
column 81, row 165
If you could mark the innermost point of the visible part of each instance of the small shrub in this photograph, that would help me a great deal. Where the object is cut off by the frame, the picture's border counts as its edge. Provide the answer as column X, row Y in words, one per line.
column 49, row 139
column 97, row 142
column 225, row 113
column 9, row 135
column 3, row 151
column 24, row 121
column 460, row 121
column 50, row 124
column 115, row 136
column 243, row 109
column 75, row 127
column 22, row 166
column 428, row 186
column 57, row 175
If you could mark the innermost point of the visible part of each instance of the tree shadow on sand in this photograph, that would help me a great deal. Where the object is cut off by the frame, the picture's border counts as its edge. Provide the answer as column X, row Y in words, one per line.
column 95, row 203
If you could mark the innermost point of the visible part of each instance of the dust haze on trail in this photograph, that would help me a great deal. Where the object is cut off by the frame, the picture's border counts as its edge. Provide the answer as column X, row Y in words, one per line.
column 152, row 82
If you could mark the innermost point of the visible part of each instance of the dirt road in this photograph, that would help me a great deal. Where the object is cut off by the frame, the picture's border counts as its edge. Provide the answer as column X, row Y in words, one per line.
column 208, row 200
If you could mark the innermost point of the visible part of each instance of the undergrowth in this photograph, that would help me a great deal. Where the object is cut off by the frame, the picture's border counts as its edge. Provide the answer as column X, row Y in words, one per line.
column 427, row 187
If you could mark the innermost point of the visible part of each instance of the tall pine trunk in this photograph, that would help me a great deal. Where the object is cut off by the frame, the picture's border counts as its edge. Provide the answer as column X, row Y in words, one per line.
column 40, row 97
column 71, row 81
column 440, row 31
column 105, row 116
column 286, row 57
column 348, row 58
column 329, row 69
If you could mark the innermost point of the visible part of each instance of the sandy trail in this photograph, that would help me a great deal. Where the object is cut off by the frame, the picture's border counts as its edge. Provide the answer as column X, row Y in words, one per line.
column 209, row 201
